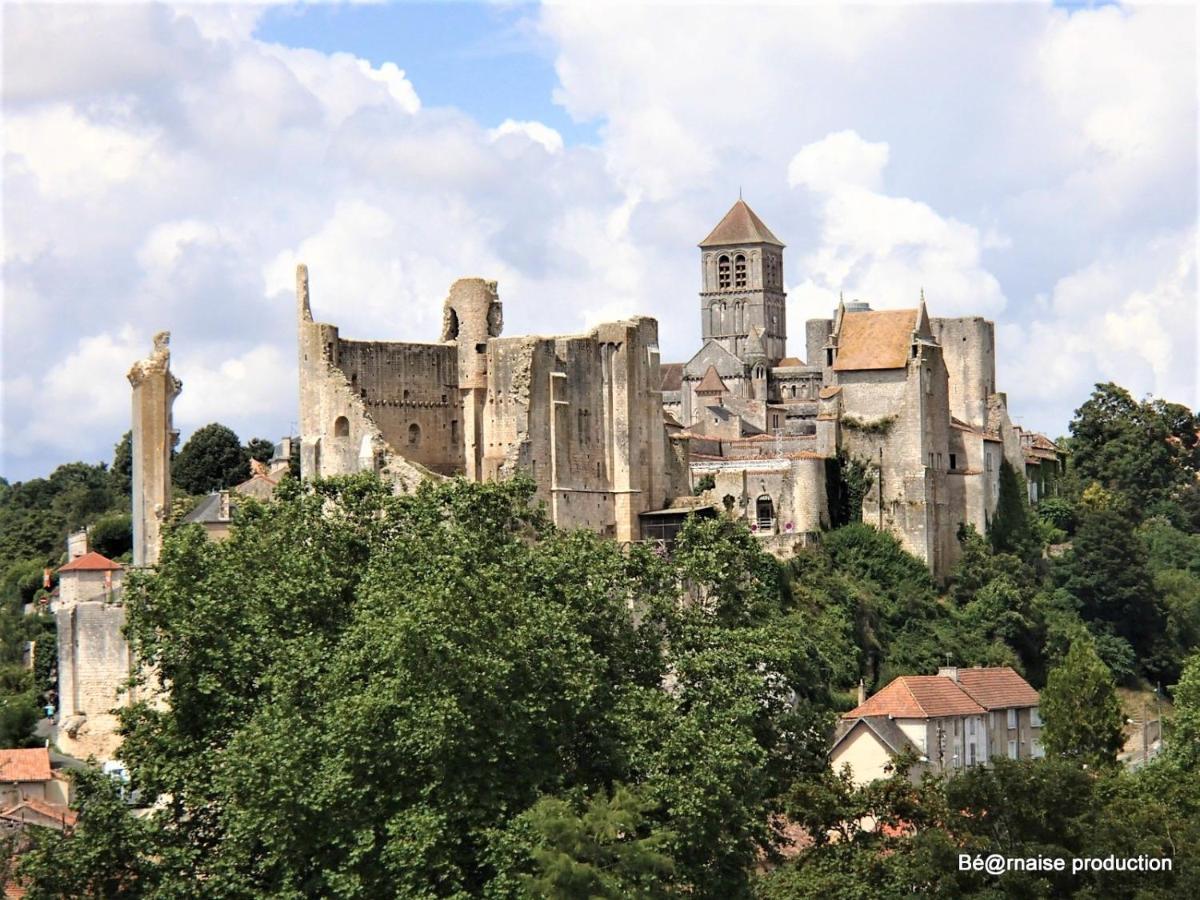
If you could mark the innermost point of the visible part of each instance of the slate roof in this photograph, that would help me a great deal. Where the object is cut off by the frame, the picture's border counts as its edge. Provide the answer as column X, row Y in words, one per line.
column 740, row 226
column 207, row 510
column 711, row 383
column 91, row 562
column 25, row 765
column 875, row 339
column 672, row 376
column 918, row 697
column 997, row 687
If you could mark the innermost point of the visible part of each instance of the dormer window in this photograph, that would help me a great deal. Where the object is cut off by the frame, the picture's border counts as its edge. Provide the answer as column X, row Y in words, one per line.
column 723, row 281
column 739, row 271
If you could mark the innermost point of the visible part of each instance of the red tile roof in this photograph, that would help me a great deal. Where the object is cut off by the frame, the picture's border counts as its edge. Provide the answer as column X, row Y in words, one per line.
column 711, row 383
column 25, row 765
column 875, row 339
column 91, row 562
column 918, row 697
column 789, row 362
column 61, row 814
column 997, row 688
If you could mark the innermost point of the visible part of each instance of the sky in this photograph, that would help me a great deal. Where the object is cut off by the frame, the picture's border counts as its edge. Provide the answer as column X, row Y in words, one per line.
column 166, row 168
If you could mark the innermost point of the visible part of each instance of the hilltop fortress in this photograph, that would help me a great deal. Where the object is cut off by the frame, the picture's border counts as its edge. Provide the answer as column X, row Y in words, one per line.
column 623, row 444
column 615, row 441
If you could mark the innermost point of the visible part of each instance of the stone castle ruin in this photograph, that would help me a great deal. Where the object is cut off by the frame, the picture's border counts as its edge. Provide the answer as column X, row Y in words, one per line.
column 615, row 441
column 579, row 414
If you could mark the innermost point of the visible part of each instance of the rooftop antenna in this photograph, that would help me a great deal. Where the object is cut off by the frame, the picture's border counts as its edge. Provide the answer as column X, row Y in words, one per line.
column 739, row 192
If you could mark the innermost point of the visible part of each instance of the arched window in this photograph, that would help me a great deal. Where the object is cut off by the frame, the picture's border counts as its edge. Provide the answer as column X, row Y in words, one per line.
column 764, row 511
column 793, row 392
column 739, row 271
column 723, row 273
column 341, row 427
column 414, row 435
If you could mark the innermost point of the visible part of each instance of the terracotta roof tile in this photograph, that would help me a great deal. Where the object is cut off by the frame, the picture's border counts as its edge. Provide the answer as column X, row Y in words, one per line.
column 49, row 810
column 740, row 226
column 998, row 687
column 831, row 391
column 672, row 376
column 875, row 340
column 918, row 697
column 711, row 383
column 788, row 362
column 91, row 562
column 24, row 765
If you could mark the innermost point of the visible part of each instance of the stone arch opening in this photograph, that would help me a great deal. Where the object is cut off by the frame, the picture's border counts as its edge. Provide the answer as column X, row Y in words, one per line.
column 341, row 427
column 414, row 435
column 764, row 511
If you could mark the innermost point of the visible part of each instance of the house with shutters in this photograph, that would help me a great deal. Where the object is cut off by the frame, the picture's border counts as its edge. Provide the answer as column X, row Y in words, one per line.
column 945, row 723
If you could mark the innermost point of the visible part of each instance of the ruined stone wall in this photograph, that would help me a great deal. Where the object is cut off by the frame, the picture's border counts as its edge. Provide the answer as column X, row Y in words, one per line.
column 969, row 350
column 410, row 392
column 796, row 488
column 338, row 436
column 94, row 662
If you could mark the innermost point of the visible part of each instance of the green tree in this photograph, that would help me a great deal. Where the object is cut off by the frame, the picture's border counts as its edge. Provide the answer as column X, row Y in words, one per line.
column 1147, row 450
column 1183, row 745
column 260, row 449
column 122, row 466
column 212, row 459
column 367, row 715
column 607, row 850
column 112, row 534
column 1106, row 569
column 1080, row 708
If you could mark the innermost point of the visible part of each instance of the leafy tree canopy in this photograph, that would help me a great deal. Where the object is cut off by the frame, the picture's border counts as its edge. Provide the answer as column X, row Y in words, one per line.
column 212, row 459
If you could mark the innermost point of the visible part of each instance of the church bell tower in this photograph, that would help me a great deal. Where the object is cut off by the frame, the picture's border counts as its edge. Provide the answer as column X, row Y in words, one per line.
column 741, row 266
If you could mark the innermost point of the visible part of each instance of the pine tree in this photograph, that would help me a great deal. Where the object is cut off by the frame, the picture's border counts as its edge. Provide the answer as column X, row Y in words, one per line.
column 1080, row 707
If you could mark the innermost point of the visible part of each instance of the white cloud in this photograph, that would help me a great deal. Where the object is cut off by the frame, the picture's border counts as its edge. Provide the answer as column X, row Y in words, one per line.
column 536, row 132
column 839, row 160
column 163, row 169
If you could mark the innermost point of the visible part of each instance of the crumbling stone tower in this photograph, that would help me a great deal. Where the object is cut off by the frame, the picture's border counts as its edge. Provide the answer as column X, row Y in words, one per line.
column 472, row 314
column 154, row 393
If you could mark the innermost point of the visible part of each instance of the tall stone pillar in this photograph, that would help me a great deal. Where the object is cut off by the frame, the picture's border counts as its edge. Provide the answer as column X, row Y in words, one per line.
column 154, row 392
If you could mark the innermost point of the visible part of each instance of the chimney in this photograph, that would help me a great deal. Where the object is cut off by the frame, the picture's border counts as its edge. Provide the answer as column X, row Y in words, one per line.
column 950, row 672
column 862, row 692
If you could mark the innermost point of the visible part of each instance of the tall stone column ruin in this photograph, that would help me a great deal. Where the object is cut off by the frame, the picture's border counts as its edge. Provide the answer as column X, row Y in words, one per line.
column 154, row 393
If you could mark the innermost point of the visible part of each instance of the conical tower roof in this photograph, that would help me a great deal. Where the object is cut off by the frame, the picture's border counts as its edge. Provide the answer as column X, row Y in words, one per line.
column 740, row 226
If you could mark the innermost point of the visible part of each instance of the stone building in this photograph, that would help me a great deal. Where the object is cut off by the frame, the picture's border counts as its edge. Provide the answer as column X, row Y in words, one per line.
column 580, row 414
column 910, row 397
column 94, row 659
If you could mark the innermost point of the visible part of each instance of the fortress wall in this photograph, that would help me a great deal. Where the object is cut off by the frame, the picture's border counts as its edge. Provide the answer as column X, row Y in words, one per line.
column 402, row 385
column 969, row 350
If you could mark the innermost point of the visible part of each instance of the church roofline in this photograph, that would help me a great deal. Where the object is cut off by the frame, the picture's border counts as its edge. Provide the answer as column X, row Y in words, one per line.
column 740, row 226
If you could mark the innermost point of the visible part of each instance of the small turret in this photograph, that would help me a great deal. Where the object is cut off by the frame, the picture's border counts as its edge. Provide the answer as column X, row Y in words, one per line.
column 471, row 315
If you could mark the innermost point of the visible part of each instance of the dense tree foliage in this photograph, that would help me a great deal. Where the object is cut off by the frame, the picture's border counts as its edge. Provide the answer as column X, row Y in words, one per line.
column 212, row 459
column 419, row 695
column 1081, row 710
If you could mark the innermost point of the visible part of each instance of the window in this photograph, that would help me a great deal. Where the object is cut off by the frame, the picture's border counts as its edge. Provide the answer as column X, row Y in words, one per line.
column 1012, row 718
column 991, row 721
column 971, row 727
column 1012, row 749
column 931, row 459
column 454, row 431
column 414, row 435
column 953, row 461
column 939, row 462
column 829, row 357
column 739, row 271
column 1036, row 750
column 341, row 427
column 957, row 723
column 971, row 754
column 723, row 281
column 1035, row 717
column 929, row 381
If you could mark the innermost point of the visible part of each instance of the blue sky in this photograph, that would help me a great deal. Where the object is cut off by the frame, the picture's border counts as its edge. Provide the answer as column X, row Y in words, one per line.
column 166, row 167
column 485, row 59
